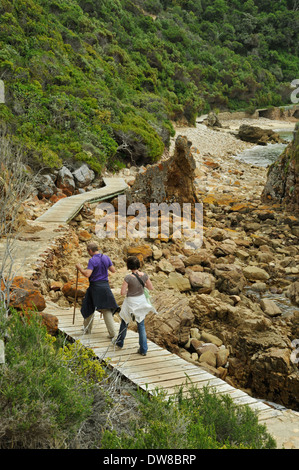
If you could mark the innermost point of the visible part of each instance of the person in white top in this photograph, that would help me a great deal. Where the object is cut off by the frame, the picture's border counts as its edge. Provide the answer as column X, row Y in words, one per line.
column 135, row 305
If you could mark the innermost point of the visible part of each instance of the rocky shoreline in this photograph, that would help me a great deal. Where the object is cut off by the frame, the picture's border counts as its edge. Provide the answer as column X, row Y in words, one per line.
column 231, row 306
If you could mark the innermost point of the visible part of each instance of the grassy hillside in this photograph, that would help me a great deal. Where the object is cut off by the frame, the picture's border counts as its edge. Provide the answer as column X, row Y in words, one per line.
column 101, row 80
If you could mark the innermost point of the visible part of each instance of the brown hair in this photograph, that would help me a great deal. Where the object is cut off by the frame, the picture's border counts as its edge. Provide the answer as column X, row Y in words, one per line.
column 92, row 246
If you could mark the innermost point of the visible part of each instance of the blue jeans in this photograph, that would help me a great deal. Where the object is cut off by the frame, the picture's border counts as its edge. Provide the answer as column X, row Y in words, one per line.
column 142, row 335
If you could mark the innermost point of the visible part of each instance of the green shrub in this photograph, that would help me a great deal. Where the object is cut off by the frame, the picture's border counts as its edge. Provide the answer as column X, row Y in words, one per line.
column 83, row 362
column 201, row 420
column 233, row 425
column 140, row 137
column 43, row 403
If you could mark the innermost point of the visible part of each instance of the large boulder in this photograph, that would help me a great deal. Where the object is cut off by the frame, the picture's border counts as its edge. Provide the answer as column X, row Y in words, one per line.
column 69, row 288
column 165, row 266
column 273, row 376
column 202, row 282
column 50, row 322
column 25, row 296
column 258, row 135
column 229, row 279
column 83, row 176
column 170, row 327
column 65, row 181
column 202, row 258
column 45, row 186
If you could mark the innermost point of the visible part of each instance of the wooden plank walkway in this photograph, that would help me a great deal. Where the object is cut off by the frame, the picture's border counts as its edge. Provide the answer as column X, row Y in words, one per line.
column 67, row 208
column 159, row 369
column 29, row 247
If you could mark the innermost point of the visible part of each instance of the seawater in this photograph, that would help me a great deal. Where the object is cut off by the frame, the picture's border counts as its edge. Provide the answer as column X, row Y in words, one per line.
column 265, row 155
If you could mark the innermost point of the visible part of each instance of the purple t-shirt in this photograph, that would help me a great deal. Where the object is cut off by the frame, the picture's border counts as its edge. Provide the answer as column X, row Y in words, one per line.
column 99, row 265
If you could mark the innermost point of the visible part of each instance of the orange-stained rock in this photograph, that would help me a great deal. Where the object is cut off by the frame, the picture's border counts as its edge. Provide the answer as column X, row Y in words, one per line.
column 241, row 207
column 211, row 164
column 24, row 295
column 21, row 299
column 143, row 251
column 69, row 289
column 56, row 197
column 84, row 235
column 210, row 200
column 56, row 285
column 50, row 322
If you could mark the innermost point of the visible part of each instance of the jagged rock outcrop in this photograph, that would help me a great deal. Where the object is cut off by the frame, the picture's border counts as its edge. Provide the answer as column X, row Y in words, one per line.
column 282, row 184
column 260, row 356
column 168, row 181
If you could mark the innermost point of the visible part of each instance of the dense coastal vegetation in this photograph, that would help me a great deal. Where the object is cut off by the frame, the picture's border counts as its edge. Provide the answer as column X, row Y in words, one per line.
column 101, row 81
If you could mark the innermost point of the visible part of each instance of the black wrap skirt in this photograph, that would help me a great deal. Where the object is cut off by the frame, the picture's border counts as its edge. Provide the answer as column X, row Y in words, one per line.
column 98, row 296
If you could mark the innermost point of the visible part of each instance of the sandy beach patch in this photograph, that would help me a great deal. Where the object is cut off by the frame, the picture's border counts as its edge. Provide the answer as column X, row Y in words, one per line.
column 221, row 142
column 264, row 123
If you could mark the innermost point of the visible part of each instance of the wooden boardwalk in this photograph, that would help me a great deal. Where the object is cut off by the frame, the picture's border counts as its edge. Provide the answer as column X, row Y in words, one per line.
column 159, row 369
column 29, row 247
column 67, row 208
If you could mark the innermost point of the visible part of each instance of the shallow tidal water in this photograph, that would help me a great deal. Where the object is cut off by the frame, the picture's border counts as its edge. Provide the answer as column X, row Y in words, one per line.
column 265, row 155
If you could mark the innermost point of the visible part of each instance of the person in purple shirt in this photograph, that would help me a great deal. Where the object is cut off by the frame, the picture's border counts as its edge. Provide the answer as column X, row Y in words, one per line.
column 98, row 295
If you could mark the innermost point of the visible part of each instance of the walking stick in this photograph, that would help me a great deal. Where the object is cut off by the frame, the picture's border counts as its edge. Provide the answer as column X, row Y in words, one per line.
column 75, row 296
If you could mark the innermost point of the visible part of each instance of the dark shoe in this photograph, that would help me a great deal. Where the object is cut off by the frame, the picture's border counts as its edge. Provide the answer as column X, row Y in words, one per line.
column 142, row 353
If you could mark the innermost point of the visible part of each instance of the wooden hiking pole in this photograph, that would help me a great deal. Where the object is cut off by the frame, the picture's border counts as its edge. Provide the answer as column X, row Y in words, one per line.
column 75, row 296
